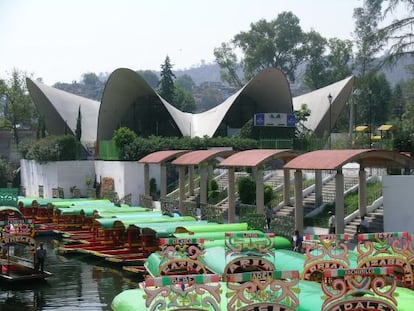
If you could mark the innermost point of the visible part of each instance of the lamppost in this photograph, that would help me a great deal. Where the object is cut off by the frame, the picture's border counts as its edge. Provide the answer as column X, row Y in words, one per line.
column 330, row 120
column 370, row 118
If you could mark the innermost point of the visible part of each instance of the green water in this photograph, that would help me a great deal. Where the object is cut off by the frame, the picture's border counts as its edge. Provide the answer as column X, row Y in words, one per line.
column 78, row 283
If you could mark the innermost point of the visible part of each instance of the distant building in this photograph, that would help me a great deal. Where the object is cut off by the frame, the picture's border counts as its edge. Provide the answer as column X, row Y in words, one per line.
column 129, row 101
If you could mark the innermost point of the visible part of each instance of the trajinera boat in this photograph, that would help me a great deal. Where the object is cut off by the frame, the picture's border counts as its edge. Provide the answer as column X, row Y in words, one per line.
column 18, row 248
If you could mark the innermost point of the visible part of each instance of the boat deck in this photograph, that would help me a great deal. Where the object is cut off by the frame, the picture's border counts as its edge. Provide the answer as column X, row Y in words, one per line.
column 13, row 272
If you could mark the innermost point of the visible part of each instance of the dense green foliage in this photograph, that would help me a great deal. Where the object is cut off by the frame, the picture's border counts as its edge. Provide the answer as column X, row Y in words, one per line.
column 213, row 191
column 78, row 130
column 268, row 194
column 122, row 138
column 246, row 189
column 140, row 147
column 166, row 83
column 15, row 103
column 398, row 33
column 51, row 148
column 3, row 172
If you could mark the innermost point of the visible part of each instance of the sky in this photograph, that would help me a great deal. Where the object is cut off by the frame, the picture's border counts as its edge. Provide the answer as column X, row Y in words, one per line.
column 59, row 40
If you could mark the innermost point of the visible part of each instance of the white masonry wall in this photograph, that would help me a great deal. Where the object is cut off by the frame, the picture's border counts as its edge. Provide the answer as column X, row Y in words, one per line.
column 398, row 192
column 128, row 176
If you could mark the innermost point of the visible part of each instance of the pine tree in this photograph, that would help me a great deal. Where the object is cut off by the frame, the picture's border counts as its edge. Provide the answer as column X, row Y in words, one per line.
column 166, row 84
column 78, row 131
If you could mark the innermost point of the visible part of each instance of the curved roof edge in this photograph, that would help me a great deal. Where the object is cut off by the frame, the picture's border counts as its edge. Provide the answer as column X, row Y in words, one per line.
column 269, row 87
column 62, row 108
column 255, row 157
column 324, row 114
column 335, row 159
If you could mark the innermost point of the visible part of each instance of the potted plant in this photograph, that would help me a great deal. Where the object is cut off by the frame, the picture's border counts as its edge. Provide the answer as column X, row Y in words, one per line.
column 88, row 182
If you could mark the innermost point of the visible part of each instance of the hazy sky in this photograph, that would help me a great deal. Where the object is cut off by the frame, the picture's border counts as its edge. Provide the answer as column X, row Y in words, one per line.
column 59, row 40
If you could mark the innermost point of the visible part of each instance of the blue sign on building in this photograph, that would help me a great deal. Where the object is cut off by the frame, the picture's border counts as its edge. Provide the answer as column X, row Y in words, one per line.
column 259, row 119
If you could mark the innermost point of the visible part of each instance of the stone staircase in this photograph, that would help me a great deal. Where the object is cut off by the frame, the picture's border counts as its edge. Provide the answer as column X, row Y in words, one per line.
column 375, row 220
column 274, row 181
column 328, row 193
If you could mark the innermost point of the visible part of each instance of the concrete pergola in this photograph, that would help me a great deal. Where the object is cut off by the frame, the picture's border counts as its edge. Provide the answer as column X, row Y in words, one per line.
column 202, row 159
column 161, row 158
column 255, row 159
column 334, row 160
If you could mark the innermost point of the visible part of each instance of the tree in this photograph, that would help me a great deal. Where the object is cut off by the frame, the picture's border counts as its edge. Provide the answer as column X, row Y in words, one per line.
column 368, row 41
column 185, row 82
column 209, row 98
column 398, row 102
column 123, row 137
column 229, row 65
column 339, row 59
column 399, row 32
column 315, row 73
column 407, row 117
column 277, row 44
column 78, row 130
column 18, row 107
column 184, row 100
column 374, row 100
column 166, row 84
column 90, row 79
column 301, row 116
column 41, row 127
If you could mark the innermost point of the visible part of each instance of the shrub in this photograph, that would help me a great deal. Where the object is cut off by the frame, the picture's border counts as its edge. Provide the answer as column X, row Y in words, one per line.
column 123, row 137
column 213, row 191
column 268, row 194
column 247, row 190
column 53, row 148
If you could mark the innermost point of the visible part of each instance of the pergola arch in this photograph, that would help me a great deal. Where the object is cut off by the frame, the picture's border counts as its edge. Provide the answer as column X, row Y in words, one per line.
column 161, row 158
column 202, row 159
column 255, row 158
column 335, row 160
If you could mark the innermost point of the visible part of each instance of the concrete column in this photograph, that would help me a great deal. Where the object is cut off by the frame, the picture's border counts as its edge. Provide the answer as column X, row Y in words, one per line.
column 259, row 190
column 362, row 193
column 203, row 184
column 286, row 186
column 181, row 184
column 231, row 214
column 210, row 171
column 339, row 202
column 163, row 181
column 146, row 179
column 318, row 188
column 299, row 201
column 191, row 180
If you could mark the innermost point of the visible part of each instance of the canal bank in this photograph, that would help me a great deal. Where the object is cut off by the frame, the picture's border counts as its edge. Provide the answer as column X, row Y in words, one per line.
column 77, row 283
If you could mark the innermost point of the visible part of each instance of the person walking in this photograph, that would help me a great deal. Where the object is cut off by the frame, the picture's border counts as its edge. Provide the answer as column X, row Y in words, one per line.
column 269, row 216
column 331, row 223
column 363, row 225
column 297, row 241
column 40, row 258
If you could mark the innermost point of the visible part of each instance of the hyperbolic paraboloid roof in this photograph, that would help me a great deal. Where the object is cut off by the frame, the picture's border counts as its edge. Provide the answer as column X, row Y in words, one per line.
column 127, row 91
column 323, row 113
column 60, row 108
column 129, row 101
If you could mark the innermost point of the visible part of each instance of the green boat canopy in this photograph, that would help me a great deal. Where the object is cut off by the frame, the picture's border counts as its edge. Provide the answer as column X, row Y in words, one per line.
column 7, row 209
column 110, row 223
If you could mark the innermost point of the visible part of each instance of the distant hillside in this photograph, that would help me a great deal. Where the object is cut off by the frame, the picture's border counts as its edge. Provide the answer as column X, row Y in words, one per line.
column 210, row 73
column 204, row 73
column 399, row 71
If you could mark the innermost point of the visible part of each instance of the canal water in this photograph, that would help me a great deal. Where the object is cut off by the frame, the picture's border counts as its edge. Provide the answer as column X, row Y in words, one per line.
column 78, row 283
